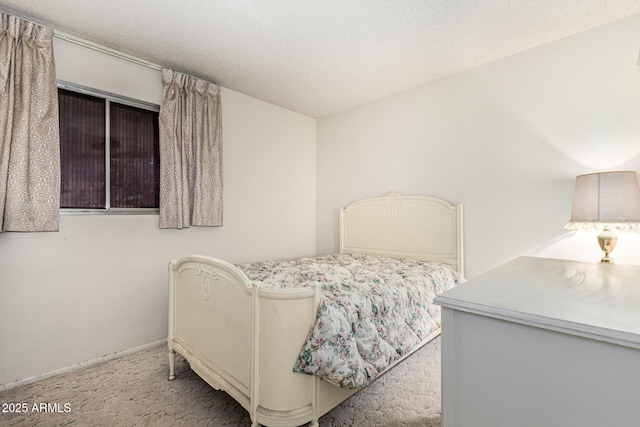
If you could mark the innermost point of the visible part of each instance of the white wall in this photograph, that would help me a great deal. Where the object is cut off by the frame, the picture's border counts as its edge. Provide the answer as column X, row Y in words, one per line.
column 99, row 286
column 505, row 139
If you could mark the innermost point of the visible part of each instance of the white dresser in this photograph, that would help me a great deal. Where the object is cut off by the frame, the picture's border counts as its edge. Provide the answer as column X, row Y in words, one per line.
column 543, row 343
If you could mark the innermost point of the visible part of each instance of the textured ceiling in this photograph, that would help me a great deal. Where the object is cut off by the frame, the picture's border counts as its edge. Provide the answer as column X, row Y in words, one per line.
column 320, row 57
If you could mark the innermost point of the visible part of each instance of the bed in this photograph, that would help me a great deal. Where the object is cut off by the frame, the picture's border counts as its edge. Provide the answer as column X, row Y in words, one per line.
column 244, row 338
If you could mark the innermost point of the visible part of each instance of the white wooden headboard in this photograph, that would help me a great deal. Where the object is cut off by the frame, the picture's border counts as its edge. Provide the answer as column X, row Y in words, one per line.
column 415, row 227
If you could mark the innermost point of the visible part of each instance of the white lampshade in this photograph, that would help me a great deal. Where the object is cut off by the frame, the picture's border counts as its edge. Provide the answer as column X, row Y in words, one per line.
column 606, row 200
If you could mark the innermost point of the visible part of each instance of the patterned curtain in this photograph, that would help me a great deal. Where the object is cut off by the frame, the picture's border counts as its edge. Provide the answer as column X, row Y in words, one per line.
column 190, row 152
column 29, row 136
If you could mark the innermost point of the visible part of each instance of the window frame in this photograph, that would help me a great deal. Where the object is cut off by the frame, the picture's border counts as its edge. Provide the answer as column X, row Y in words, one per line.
column 108, row 97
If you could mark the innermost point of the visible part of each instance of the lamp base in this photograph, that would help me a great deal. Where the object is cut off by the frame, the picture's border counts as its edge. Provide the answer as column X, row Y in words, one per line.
column 607, row 241
column 606, row 259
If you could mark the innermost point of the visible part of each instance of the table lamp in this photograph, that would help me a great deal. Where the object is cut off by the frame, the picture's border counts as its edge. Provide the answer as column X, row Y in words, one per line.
column 607, row 202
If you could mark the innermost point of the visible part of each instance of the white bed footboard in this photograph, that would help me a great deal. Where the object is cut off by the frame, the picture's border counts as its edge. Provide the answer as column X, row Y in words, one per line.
column 243, row 339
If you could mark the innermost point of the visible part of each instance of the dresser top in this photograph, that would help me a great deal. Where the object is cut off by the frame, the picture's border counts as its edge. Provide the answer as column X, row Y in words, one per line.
column 595, row 300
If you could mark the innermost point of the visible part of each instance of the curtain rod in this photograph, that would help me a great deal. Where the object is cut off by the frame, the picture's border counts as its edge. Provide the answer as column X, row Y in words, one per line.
column 102, row 49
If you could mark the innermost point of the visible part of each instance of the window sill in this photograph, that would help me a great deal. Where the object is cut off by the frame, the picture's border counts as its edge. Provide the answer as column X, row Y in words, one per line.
column 111, row 211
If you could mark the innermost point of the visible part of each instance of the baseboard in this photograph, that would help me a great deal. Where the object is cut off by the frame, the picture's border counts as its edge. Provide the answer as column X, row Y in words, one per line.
column 36, row 378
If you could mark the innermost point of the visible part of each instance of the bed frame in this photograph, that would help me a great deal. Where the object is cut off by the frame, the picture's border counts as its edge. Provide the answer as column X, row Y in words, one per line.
column 244, row 340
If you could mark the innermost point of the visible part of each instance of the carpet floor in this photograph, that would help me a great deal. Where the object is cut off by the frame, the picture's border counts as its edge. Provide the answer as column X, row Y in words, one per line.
column 134, row 391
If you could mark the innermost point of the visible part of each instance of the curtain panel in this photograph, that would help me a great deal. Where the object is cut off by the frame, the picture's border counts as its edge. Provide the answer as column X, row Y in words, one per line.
column 190, row 152
column 29, row 135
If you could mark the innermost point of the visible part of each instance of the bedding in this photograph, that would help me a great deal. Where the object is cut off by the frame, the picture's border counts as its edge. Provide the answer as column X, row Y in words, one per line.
column 373, row 310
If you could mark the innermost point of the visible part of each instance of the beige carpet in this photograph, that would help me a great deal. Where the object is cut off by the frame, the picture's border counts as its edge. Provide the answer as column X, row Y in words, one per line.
column 134, row 391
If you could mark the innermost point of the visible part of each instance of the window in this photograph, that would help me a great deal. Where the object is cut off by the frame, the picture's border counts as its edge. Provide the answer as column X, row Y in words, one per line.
column 109, row 154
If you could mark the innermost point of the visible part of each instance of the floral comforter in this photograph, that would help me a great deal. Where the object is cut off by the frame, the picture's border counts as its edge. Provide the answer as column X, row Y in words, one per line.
column 373, row 310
